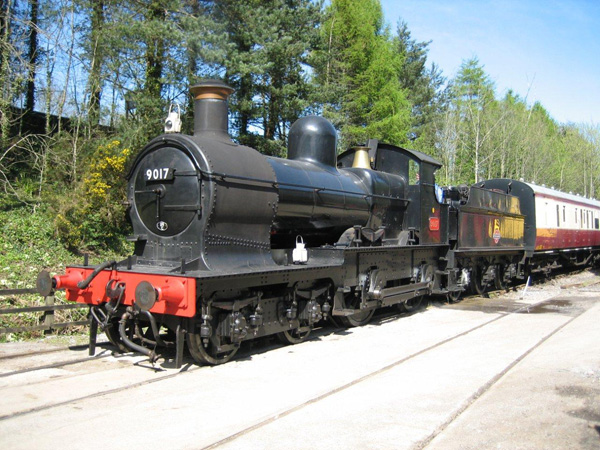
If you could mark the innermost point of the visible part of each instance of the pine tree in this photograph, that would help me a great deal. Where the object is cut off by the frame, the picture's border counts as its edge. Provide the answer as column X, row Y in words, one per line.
column 423, row 86
column 267, row 48
column 6, row 90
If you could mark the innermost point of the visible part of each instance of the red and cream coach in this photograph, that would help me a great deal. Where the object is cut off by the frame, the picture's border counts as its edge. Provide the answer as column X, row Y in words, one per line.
column 557, row 225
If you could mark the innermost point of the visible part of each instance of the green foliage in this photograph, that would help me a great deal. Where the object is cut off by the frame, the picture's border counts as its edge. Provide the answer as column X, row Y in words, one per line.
column 27, row 244
column 478, row 136
column 472, row 87
column 380, row 100
column 471, row 98
column 264, row 60
column 421, row 84
column 358, row 72
column 93, row 215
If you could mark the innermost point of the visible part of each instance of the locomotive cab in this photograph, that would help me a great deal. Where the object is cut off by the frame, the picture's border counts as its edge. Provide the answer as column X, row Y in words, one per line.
column 425, row 219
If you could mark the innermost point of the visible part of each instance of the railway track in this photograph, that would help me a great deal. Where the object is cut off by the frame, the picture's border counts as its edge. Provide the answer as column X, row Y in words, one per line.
column 9, row 356
column 106, row 349
column 27, row 362
column 375, row 373
column 92, row 382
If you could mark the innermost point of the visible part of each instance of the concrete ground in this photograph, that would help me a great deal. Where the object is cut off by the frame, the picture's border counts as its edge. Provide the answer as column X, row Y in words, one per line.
column 550, row 399
column 470, row 375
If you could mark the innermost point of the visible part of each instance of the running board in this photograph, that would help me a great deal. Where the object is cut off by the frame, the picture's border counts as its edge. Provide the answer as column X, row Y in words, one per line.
column 380, row 294
column 398, row 294
column 380, row 297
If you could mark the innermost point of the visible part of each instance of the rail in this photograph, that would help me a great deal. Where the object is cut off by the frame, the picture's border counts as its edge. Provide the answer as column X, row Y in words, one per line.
column 47, row 320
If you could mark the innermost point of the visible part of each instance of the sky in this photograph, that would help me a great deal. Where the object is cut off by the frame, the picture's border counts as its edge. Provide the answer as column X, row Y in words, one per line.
column 544, row 50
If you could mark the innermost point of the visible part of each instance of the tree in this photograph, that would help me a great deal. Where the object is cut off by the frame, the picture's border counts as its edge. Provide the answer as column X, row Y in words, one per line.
column 283, row 88
column 265, row 62
column 358, row 72
column 472, row 95
column 154, row 31
column 131, row 60
column 423, row 86
column 205, row 43
column 32, row 54
column 5, row 77
column 96, row 54
column 591, row 134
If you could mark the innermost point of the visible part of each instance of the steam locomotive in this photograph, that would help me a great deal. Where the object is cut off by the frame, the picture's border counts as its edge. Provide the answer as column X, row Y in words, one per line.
column 231, row 245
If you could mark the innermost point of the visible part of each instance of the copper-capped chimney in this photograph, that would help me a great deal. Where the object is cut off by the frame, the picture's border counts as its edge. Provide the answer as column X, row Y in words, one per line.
column 210, row 109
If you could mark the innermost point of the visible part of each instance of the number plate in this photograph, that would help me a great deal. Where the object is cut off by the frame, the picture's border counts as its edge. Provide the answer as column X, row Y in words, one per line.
column 159, row 174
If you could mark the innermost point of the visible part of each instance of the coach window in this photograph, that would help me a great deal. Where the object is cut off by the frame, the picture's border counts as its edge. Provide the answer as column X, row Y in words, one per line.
column 586, row 218
column 557, row 216
column 575, row 215
column 564, row 214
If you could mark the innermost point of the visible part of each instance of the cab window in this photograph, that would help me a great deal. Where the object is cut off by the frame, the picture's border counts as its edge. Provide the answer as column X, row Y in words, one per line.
column 414, row 169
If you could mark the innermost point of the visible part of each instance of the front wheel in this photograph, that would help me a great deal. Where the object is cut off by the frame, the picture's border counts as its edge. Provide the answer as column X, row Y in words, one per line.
column 454, row 296
column 212, row 354
column 358, row 319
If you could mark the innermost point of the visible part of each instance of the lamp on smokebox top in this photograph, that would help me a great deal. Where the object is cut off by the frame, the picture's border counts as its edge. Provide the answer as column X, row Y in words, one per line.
column 173, row 120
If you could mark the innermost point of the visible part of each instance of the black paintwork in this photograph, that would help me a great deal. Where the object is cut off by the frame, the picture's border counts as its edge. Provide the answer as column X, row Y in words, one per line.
column 229, row 217
column 313, row 139
column 527, row 204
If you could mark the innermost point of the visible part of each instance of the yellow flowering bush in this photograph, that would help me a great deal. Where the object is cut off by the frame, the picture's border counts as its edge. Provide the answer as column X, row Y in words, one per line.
column 107, row 170
column 95, row 217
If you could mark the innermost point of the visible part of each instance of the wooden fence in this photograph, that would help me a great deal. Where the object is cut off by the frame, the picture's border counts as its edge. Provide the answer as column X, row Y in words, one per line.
column 46, row 322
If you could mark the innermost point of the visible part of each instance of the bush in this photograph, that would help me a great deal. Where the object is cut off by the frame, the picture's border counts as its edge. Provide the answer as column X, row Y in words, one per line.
column 27, row 245
column 93, row 216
